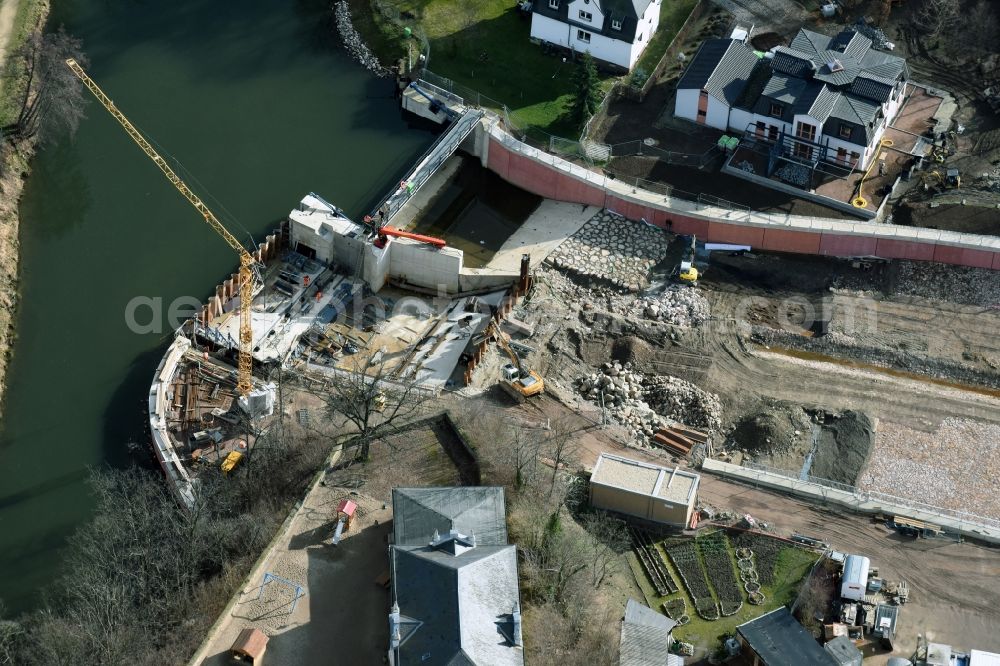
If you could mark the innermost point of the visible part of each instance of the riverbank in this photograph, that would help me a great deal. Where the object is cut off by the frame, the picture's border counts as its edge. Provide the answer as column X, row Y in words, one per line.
column 15, row 163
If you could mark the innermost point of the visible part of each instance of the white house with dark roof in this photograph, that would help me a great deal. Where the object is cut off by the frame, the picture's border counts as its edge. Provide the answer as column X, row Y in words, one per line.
column 825, row 98
column 454, row 580
column 614, row 31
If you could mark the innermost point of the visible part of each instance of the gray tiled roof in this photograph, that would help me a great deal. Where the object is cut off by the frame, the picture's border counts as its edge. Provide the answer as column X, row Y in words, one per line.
column 822, row 105
column 780, row 640
column 456, row 609
column 872, row 87
column 839, row 61
column 882, row 64
column 645, row 636
column 791, row 62
column 418, row 512
column 837, row 69
column 720, row 67
column 627, row 11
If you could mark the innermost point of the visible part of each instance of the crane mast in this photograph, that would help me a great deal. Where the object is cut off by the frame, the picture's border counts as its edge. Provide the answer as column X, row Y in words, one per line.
column 244, row 382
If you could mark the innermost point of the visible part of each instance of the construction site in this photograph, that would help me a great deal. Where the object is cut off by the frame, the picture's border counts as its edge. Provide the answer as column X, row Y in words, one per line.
column 852, row 383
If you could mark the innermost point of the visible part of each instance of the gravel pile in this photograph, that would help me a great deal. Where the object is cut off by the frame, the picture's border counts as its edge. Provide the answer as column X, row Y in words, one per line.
column 955, row 467
column 959, row 284
column 353, row 42
column 611, row 248
column 683, row 401
column 678, row 305
column 644, row 403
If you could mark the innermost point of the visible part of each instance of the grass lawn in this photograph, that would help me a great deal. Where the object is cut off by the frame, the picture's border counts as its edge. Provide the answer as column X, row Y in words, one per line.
column 483, row 44
column 11, row 86
column 793, row 564
column 673, row 13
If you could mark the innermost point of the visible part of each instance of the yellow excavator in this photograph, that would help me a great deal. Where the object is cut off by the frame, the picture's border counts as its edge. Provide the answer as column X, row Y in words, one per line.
column 688, row 272
column 516, row 380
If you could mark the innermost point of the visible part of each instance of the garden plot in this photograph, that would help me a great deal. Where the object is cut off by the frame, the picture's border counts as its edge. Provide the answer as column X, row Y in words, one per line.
column 684, row 555
column 718, row 565
column 765, row 552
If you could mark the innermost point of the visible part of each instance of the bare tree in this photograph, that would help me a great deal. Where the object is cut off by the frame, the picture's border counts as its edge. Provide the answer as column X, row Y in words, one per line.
column 370, row 400
column 609, row 538
column 980, row 27
column 11, row 636
column 53, row 99
column 561, row 447
column 937, row 17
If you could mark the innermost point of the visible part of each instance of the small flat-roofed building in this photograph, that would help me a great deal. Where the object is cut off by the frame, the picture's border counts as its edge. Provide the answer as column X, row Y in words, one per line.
column 659, row 494
column 777, row 639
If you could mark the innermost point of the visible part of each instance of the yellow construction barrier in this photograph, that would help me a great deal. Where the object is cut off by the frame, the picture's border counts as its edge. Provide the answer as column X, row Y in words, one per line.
column 859, row 201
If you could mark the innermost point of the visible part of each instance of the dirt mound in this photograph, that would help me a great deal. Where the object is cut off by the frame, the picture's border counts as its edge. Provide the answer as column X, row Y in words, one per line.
column 765, row 41
column 843, row 447
column 631, row 349
column 770, row 432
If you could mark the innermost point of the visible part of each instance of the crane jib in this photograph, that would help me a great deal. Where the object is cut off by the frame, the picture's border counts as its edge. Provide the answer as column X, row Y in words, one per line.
column 244, row 382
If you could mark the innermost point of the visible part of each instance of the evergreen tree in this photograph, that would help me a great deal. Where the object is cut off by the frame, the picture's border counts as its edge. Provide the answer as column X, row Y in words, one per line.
column 587, row 94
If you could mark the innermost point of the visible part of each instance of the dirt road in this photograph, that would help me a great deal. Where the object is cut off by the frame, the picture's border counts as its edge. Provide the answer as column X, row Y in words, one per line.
column 781, row 16
column 8, row 10
column 953, row 590
column 954, row 596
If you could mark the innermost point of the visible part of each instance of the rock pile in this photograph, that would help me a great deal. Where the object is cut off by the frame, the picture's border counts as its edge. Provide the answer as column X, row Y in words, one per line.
column 645, row 403
column 610, row 247
column 353, row 42
column 623, row 392
column 959, row 284
column 678, row 305
column 683, row 401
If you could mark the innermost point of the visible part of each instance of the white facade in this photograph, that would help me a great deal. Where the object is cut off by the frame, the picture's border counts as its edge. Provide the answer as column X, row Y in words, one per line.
column 723, row 117
column 583, row 33
column 686, row 105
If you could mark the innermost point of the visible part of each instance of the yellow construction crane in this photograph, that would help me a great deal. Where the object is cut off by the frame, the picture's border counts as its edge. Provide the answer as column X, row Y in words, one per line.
column 244, row 382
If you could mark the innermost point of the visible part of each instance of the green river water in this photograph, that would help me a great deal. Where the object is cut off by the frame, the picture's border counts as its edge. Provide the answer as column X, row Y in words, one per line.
column 259, row 102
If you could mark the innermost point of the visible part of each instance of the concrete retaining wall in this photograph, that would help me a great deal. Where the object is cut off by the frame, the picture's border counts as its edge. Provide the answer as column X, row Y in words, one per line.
column 552, row 177
column 860, row 502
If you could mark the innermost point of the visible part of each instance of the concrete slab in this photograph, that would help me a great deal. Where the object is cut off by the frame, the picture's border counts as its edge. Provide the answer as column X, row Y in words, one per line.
column 546, row 228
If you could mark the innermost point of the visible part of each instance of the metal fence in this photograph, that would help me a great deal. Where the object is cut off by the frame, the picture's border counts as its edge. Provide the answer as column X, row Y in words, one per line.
column 865, row 496
column 428, row 163
column 471, row 96
column 664, row 196
column 638, row 148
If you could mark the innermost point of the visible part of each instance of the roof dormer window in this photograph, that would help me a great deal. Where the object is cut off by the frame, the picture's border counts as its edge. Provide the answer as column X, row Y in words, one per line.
column 553, row 4
column 616, row 24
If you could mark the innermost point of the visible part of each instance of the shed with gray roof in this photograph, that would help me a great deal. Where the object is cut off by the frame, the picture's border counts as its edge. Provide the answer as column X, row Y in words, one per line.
column 646, row 637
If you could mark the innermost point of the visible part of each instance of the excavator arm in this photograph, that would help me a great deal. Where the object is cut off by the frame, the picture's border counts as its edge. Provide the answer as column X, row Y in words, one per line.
column 244, row 383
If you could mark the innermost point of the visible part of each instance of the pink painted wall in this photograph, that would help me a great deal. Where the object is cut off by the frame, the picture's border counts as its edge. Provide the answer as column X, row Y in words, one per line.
column 728, row 233
column 783, row 240
column 905, row 249
column 962, row 256
column 543, row 180
column 842, row 245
